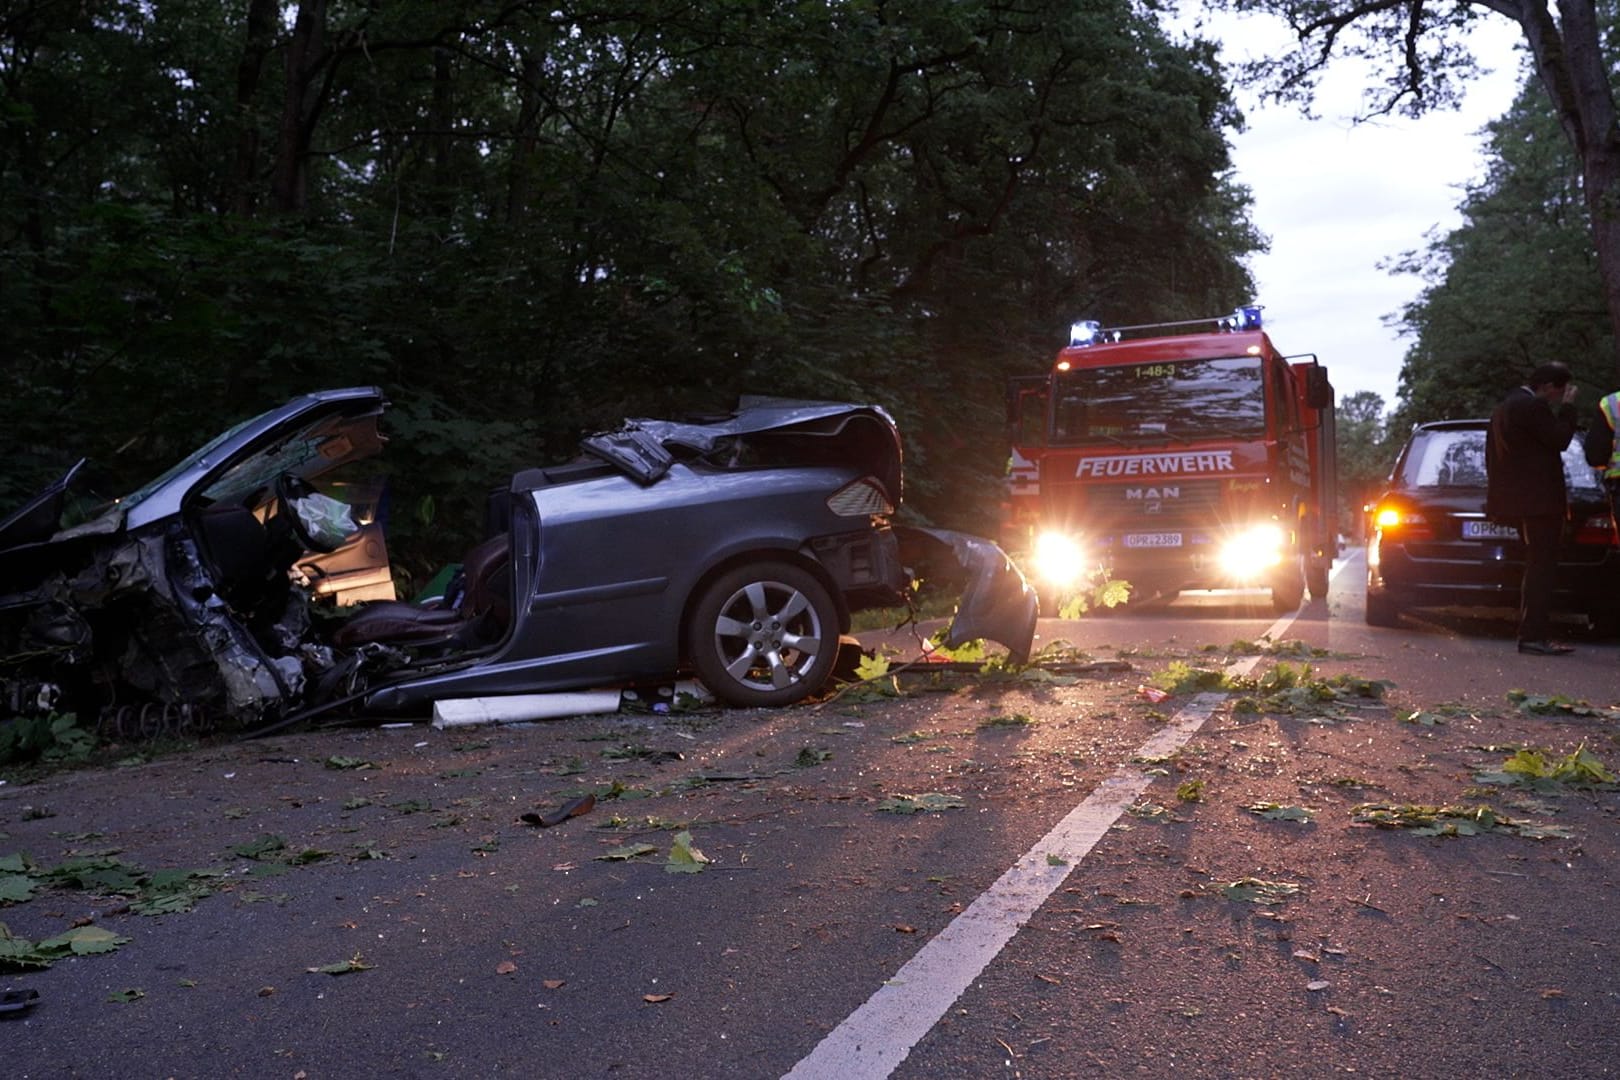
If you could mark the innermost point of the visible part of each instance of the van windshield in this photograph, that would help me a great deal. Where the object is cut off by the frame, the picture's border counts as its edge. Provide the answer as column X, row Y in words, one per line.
column 1179, row 400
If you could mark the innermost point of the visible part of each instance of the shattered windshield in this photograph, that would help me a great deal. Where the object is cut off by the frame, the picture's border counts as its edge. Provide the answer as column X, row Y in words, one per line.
column 189, row 461
column 1176, row 399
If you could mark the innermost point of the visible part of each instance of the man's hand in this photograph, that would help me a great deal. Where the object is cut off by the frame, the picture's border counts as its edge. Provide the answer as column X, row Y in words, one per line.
column 1569, row 393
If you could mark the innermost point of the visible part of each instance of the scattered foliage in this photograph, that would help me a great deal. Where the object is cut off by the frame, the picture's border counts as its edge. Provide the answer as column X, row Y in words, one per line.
column 1277, row 812
column 931, row 802
column 1578, row 768
column 1447, row 821
column 53, row 738
column 1252, row 890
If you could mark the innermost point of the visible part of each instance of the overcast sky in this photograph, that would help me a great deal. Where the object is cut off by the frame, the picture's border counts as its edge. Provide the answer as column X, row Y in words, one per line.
column 1336, row 199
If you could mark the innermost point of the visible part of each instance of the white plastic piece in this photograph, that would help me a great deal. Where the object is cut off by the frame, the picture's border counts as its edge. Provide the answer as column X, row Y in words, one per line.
column 463, row 712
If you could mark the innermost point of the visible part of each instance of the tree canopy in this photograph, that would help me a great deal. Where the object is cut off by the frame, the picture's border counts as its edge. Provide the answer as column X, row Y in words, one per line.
column 1516, row 284
column 527, row 220
column 1418, row 55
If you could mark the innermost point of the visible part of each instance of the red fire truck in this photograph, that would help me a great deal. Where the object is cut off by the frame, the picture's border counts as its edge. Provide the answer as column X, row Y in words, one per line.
column 1173, row 456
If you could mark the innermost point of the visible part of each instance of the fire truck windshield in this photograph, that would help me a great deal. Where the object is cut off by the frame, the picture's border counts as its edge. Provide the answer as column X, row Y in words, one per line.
column 1180, row 400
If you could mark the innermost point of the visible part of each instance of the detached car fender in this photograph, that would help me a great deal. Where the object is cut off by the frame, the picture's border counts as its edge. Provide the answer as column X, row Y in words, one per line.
column 996, row 602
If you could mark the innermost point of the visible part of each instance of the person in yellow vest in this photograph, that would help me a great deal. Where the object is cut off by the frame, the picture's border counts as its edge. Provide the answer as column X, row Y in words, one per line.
column 1602, row 453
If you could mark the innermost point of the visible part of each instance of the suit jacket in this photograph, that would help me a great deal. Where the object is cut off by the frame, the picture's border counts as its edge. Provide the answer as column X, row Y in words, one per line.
column 1524, row 464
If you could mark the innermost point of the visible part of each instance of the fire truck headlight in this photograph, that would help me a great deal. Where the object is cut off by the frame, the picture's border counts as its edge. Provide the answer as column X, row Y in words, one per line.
column 1059, row 560
column 1253, row 551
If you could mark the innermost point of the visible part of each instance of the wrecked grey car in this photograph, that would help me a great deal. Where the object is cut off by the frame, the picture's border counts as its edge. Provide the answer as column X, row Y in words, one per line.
column 243, row 584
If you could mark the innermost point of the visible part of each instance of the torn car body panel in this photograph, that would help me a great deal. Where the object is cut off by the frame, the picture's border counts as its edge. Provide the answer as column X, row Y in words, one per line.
column 734, row 546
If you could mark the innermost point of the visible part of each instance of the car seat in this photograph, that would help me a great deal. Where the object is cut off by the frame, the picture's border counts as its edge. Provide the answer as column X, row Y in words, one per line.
column 479, row 615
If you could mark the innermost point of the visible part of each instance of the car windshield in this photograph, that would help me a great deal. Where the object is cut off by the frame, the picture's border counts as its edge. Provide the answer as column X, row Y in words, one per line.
column 1455, row 458
column 189, row 461
column 1180, row 399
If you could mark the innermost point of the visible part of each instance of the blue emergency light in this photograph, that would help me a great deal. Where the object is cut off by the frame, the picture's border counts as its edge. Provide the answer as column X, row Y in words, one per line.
column 1244, row 318
column 1085, row 333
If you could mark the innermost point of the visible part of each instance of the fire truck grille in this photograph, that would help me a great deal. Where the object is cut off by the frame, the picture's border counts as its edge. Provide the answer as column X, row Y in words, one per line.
column 1169, row 501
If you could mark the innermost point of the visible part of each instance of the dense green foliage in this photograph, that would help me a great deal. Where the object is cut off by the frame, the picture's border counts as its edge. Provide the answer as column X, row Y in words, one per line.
column 1515, row 285
column 1416, row 55
column 525, row 221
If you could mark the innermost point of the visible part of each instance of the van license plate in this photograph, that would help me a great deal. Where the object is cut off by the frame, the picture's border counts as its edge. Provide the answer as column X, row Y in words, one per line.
column 1488, row 530
column 1152, row 540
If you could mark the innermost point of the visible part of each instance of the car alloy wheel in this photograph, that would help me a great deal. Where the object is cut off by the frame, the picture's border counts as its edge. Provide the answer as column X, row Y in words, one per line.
column 764, row 634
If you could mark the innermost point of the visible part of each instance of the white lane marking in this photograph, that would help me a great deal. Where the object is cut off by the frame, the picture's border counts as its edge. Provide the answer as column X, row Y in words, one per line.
column 874, row 1039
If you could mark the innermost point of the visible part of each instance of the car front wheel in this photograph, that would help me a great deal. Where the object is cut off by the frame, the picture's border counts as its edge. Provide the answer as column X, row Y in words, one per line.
column 764, row 634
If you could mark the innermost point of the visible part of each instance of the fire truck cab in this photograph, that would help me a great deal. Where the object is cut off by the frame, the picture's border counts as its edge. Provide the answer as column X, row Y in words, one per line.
column 1176, row 456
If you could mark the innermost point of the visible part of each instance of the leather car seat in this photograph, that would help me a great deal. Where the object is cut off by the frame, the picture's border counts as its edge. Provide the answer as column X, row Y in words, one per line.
column 482, row 612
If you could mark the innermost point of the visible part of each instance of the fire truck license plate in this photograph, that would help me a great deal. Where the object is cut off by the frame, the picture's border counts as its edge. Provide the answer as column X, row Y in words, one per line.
column 1488, row 530
column 1152, row 540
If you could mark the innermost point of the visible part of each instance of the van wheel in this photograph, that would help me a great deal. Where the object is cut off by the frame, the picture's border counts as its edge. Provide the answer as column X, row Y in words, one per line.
column 764, row 634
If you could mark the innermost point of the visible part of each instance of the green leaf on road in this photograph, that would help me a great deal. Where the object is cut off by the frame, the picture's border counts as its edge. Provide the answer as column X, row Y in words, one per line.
column 342, row 967
column 1257, row 891
column 1580, row 767
column 83, row 941
column 1007, row 720
column 627, row 851
column 15, row 888
column 683, row 857
column 932, row 801
column 266, row 844
column 1277, row 812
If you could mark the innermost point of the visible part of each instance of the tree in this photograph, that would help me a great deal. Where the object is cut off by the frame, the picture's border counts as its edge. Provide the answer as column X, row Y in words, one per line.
column 1364, row 456
column 1515, row 284
column 1420, row 56
column 527, row 220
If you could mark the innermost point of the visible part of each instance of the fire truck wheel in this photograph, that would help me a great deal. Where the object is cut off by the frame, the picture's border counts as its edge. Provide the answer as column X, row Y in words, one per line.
column 1288, row 591
column 1316, row 580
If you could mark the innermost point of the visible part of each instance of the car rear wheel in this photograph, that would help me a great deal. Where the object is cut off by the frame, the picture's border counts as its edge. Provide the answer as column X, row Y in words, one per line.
column 1381, row 611
column 764, row 634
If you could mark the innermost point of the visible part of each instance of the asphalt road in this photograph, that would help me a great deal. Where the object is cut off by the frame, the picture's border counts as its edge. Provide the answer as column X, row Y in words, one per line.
column 1046, row 875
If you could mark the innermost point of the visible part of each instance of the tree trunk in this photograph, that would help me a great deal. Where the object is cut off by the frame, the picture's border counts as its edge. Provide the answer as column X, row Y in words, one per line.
column 306, row 56
column 1569, row 60
column 261, row 32
column 527, row 138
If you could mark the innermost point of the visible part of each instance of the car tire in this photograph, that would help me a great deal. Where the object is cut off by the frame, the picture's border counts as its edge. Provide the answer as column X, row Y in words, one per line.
column 1288, row 590
column 763, row 634
column 1606, row 623
column 1381, row 611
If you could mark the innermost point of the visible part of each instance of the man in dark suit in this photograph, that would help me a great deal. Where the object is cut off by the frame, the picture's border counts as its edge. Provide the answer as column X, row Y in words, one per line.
column 1525, row 485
